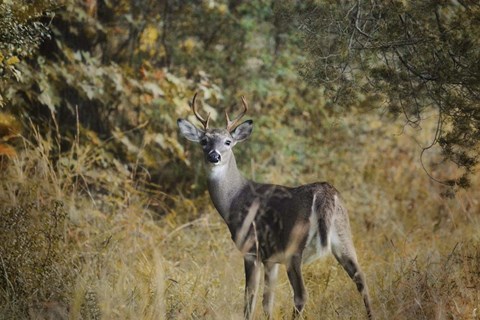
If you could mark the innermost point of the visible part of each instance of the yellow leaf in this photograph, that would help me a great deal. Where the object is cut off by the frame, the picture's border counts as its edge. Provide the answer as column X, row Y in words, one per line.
column 12, row 60
column 189, row 45
column 9, row 126
column 222, row 9
column 148, row 39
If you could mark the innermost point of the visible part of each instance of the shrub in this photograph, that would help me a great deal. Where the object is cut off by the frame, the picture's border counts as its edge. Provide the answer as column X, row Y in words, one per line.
column 32, row 237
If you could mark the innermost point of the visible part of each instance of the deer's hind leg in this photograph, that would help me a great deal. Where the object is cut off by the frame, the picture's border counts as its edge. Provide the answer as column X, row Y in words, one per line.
column 294, row 271
column 344, row 252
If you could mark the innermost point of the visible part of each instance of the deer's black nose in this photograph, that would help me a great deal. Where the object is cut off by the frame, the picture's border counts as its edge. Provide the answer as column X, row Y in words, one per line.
column 214, row 156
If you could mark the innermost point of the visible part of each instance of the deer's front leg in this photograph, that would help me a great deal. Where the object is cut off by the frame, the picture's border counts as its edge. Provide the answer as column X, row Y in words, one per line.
column 252, row 277
column 271, row 272
column 294, row 271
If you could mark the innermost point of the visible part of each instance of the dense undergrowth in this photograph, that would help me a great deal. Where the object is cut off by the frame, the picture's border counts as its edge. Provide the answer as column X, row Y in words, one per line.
column 72, row 251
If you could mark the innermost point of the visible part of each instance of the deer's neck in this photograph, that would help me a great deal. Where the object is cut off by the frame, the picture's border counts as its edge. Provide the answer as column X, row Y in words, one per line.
column 224, row 184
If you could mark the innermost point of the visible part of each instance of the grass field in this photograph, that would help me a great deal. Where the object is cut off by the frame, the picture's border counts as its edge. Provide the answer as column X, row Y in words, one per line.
column 84, row 243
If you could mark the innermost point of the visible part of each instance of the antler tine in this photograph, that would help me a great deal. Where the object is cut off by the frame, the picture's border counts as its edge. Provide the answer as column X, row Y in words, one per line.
column 232, row 123
column 199, row 117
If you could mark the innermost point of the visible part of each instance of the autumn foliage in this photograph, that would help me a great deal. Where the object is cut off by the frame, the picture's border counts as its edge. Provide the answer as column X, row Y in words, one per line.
column 104, row 210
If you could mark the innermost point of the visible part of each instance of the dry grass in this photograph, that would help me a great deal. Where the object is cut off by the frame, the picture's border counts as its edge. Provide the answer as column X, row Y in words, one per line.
column 117, row 260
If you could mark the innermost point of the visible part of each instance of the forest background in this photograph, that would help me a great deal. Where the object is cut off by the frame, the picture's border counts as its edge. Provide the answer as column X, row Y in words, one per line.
column 104, row 208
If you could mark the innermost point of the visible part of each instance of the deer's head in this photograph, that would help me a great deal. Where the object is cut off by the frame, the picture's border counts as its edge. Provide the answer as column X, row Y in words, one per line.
column 217, row 143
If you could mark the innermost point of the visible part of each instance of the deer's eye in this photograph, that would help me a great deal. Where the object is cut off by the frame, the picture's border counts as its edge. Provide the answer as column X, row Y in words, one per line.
column 228, row 142
column 203, row 142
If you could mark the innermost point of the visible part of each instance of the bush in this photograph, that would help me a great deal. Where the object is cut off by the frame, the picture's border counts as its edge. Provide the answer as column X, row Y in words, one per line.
column 32, row 254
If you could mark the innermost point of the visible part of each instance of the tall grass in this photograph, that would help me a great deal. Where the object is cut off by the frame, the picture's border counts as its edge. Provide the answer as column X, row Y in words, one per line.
column 79, row 242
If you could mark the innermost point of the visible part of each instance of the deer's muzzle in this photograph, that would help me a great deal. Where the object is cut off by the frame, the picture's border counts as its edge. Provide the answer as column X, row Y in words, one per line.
column 214, row 156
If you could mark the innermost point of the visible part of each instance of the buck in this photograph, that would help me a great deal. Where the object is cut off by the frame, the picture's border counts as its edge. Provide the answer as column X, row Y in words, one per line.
column 273, row 224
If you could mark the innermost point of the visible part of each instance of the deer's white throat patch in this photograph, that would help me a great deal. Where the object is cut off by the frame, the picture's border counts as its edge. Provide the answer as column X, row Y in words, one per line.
column 217, row 170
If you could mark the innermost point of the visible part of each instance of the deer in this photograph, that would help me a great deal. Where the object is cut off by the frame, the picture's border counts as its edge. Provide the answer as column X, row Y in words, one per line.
column 273, row 224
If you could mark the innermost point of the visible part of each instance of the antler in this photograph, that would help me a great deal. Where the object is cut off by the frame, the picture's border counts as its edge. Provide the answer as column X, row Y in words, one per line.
column 232, row 123
column 199, row 117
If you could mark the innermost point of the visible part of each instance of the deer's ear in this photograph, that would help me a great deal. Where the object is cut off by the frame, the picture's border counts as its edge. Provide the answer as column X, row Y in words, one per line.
column 189, row 131
column 243, row 131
